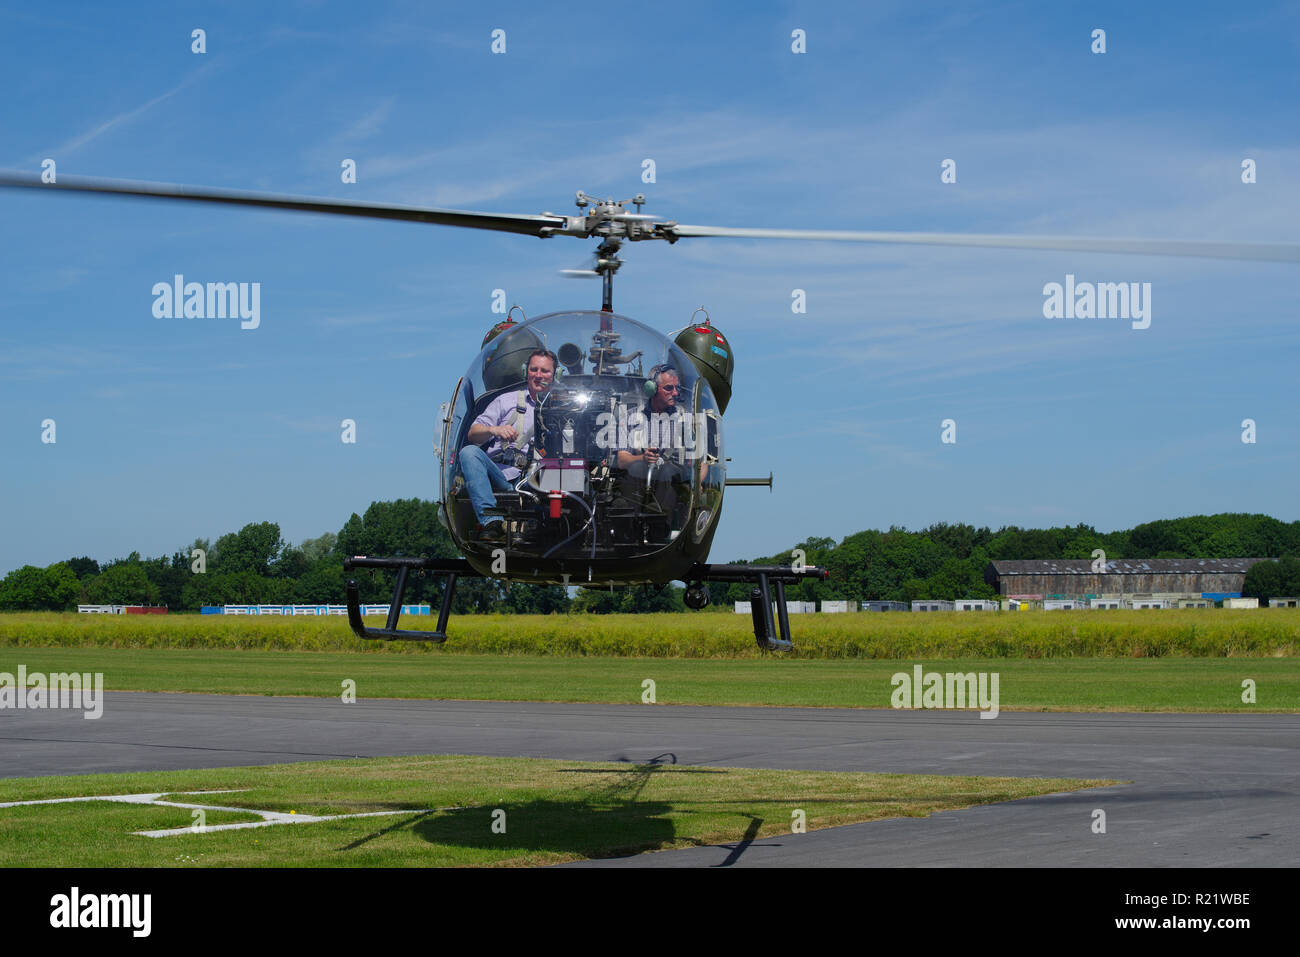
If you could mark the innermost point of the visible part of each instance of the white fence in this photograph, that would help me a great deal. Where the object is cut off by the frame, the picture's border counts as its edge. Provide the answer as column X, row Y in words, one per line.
column 317, row 610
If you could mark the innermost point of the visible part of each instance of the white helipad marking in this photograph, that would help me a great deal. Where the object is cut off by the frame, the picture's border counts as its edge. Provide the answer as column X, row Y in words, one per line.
column 123, row 798
column 269, row 818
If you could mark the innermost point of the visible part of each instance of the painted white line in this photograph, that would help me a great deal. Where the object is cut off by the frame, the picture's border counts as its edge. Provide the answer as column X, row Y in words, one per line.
column 269, row 818
column 124, row 798
column 279, row 819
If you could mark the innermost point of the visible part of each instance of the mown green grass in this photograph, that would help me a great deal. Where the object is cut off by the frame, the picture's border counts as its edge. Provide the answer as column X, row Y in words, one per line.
column 1072, row 684
column 554, row 811
column 1201, row 633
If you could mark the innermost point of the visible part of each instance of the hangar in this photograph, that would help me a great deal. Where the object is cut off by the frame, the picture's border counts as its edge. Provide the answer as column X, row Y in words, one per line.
column 1075, row 577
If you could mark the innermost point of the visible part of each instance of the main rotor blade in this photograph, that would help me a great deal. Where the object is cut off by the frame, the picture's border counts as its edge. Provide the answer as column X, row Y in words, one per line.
column 1267, row 252
column 502, row 222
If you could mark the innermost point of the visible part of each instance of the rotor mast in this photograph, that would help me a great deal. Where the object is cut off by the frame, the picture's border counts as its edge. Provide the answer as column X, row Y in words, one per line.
column 607, row 263
column 610, row 220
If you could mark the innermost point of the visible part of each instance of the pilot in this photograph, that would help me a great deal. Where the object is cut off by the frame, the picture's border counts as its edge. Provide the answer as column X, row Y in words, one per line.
column 655, row 463
column 662, row 403
column 508, row 422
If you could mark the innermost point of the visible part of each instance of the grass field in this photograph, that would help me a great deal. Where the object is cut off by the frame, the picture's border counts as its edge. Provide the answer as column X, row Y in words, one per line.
column 1184, row 661
column 1073, row 684
column 553, row 811
column 1197, row 633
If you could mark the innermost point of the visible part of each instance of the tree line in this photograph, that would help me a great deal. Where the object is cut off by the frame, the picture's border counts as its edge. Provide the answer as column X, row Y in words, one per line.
column 945, row 561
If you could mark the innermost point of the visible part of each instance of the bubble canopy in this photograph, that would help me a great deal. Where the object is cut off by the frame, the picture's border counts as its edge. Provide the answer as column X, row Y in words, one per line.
column 620, row 458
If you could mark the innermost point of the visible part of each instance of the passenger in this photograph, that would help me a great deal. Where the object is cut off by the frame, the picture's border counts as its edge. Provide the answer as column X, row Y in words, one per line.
column 509, row 422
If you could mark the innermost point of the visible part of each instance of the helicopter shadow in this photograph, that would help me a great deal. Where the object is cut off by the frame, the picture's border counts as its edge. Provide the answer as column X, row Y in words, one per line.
column 605, row 819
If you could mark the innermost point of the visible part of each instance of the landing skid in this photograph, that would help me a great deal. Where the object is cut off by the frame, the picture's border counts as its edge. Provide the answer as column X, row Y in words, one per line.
column 450, row 567
column 768, row 579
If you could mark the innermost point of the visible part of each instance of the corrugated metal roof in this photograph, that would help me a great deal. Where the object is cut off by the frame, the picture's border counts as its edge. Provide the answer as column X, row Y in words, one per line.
column 1127, row 566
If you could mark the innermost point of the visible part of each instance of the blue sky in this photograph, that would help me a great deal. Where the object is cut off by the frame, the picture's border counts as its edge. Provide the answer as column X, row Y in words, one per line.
column 169, row 430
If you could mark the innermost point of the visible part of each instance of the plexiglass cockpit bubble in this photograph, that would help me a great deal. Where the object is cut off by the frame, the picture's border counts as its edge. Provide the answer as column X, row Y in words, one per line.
column 620, row 457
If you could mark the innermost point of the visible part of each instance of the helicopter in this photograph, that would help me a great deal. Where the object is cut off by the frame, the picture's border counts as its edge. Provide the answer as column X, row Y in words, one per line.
column 622, row 476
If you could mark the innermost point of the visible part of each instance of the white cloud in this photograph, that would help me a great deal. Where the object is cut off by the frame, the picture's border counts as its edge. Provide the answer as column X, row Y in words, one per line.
column 98, row 130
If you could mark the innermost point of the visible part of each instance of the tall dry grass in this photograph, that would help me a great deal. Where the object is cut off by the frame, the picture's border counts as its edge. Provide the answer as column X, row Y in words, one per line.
column 1203, row 633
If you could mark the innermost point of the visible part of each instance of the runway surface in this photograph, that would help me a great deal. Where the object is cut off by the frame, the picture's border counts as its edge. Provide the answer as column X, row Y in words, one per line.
column 1206, row 790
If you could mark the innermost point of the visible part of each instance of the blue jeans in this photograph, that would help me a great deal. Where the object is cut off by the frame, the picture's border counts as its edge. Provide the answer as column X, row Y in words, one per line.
column 482, row 476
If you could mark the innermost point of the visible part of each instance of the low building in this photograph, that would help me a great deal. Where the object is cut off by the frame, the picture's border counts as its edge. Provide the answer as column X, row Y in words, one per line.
column 837, row 606
column 1195, row 603
column 931, row 605
column 1061, row 604
column 1106, row 603
column 791, row 608
column 884, row 606
column 975, row 604
column 1241, row 603
column 1136, row 603
column 1072, row 577
column 1284, row 603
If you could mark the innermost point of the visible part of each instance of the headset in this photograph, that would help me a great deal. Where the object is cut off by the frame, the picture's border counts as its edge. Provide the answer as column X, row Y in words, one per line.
column 555, row 362
column 652, row 384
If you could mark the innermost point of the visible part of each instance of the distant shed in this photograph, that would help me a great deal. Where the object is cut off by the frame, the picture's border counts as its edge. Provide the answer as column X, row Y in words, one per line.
column 1075, row 576
column 931, row 605
column 884, row 606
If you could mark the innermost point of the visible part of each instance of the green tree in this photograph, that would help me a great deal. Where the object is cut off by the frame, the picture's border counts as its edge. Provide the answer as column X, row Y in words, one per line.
column 39, row 589
column 524, row 599
column 83, row 567
column 406, row 527
column 402, row 527
column 322, row 583
column 476, row 596
column 636, row 599
column 254, row 548
column 292, row 563
column 317, row 548
column 123, row 583
column 1275, row 579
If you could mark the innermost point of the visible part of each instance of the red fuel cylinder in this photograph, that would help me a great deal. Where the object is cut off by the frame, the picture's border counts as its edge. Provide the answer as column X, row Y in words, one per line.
column 557, row 499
